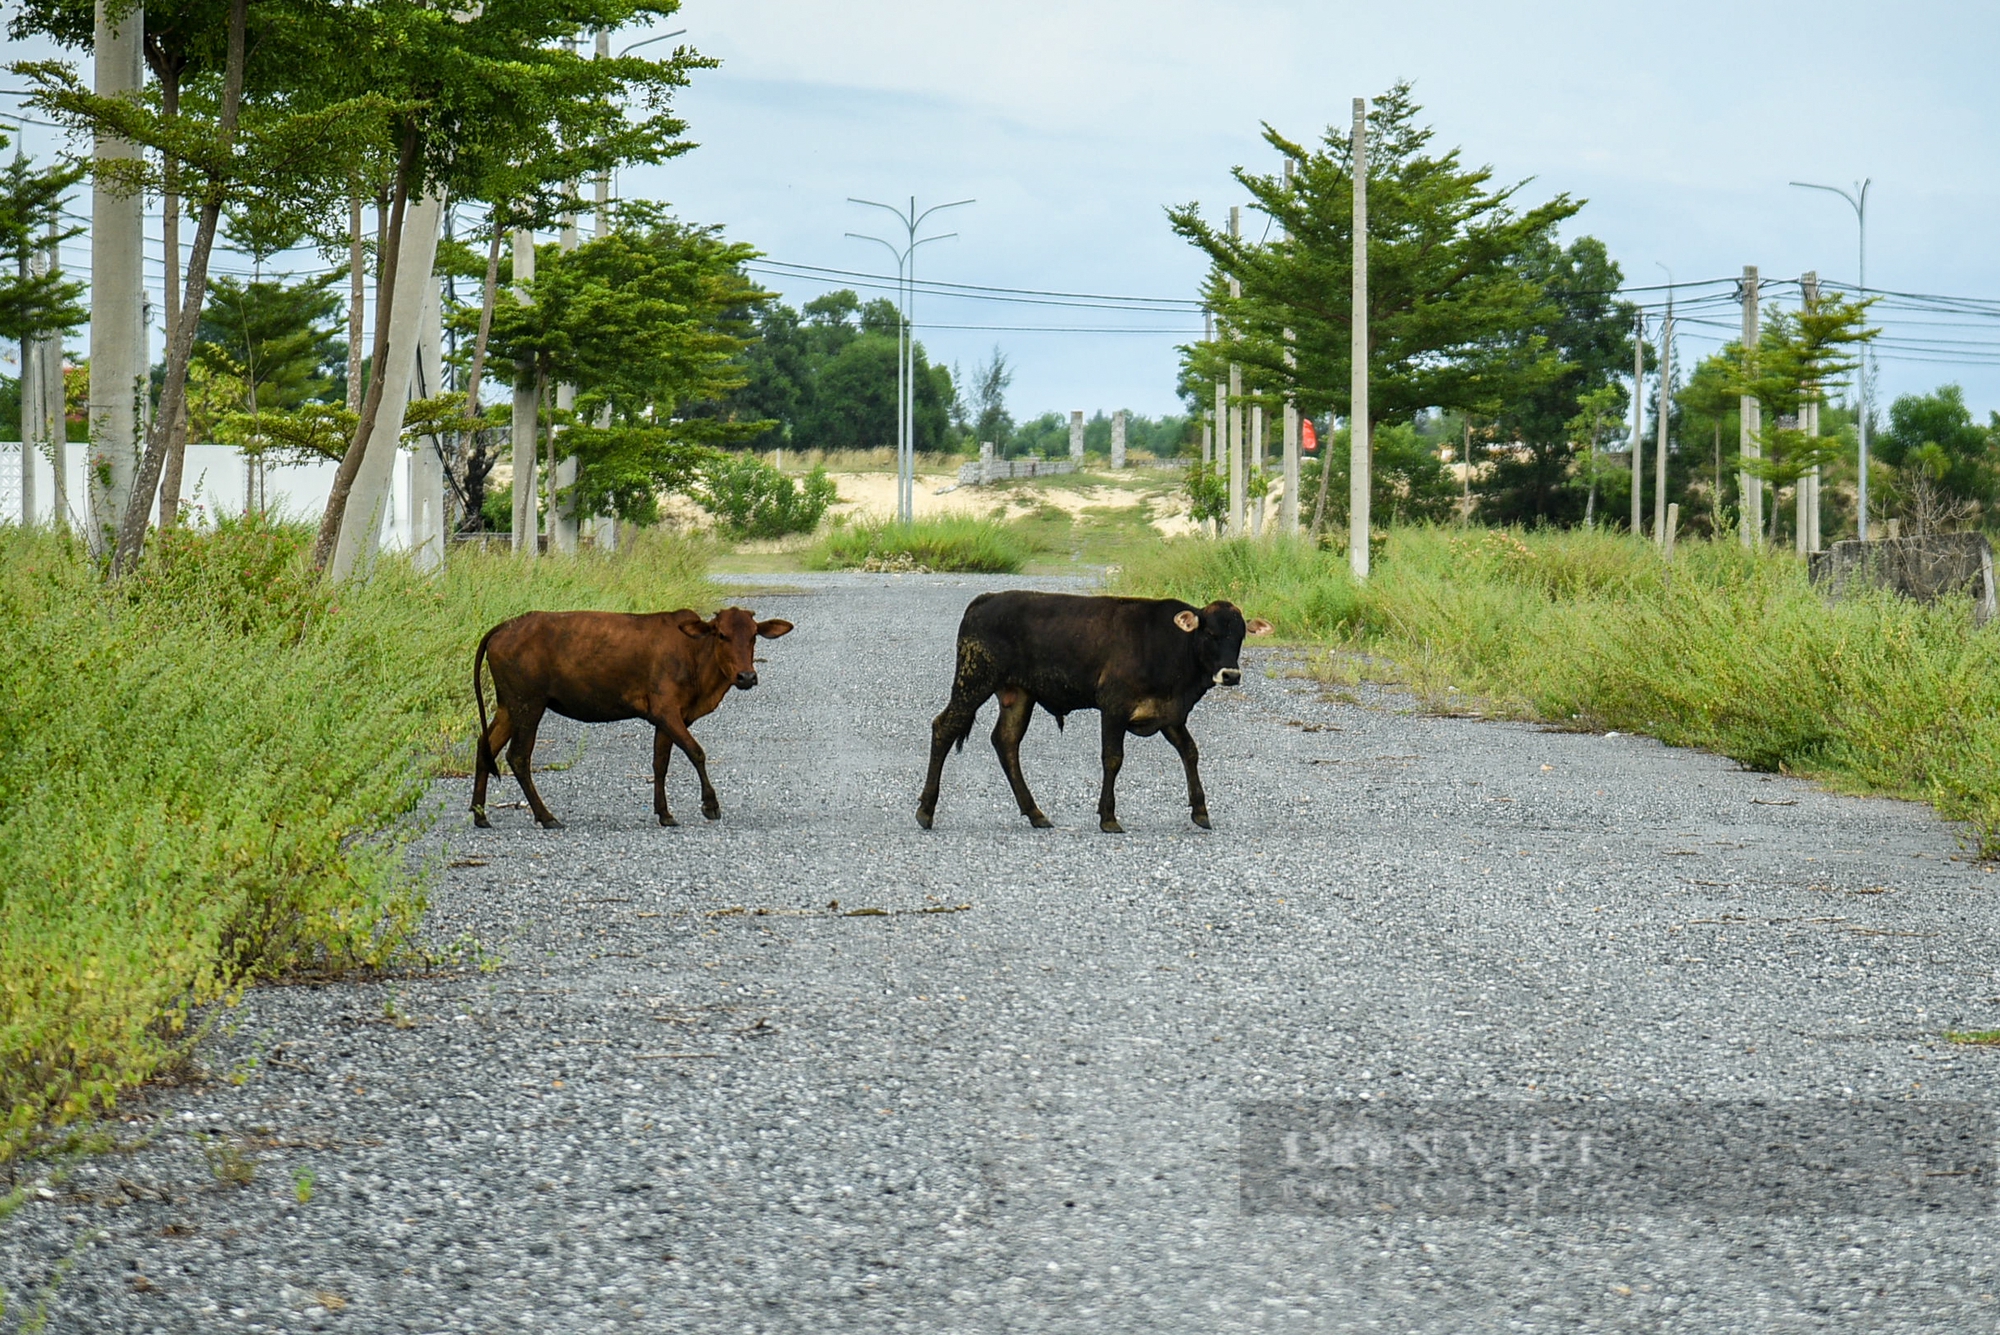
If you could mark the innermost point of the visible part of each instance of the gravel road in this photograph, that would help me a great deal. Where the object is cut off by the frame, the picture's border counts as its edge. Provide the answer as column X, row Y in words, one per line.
column 695, row 1090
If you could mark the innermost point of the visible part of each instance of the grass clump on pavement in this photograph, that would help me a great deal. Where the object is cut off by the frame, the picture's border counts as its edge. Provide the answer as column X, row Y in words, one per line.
column 953, row 543
column 206, row 773
column 1725, row 649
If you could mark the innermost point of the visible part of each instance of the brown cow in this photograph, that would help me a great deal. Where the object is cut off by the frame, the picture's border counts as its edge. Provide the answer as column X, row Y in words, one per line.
column 669, row 668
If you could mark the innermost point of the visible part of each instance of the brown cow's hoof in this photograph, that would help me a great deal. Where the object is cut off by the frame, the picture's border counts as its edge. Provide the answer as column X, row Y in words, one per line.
column 667, row 818
column 1039, row 821
column 551, row 824
column 1110, row 825
column 479, row 820
column 1201, row 819
column 923, row 818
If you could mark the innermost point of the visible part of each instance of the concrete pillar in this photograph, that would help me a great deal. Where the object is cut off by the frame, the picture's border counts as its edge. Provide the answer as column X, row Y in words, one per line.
column 426, row 524
column 55, row 410
column 1118, row 439
column 1360, row 455
column 1254, row 449
column 988, row 469
column 1749, row 488
column 33, row 386
column 118, row 369
column 527, row 520
column 1076, row 436
column 562, row 514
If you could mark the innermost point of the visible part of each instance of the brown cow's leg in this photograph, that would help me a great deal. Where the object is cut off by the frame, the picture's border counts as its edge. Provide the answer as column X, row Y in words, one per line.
column 947, row 730
column 1184, row 743
column 485, row 762
column 1114, row 760
column 663, row 751
column 1007, row 735
column 520, row 755
column 711, row 807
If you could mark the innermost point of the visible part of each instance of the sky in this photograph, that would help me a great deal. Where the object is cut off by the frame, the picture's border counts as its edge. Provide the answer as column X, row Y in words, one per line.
column 1075, row 126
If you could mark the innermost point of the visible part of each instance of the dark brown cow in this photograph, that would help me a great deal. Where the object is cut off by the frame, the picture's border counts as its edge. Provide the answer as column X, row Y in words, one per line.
column 669, row 668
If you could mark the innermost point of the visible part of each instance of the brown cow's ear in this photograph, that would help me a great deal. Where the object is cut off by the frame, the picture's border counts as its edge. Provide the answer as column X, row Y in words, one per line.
column 695, row 629
column 1259, row 626
column 1187, row 620
column 773, row 629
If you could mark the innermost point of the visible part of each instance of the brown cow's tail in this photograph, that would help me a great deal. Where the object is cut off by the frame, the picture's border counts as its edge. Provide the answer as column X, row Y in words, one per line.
column 479, row 750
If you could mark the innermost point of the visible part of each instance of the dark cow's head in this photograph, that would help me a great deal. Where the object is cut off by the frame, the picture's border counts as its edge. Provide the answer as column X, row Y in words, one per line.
column 1218, row 632
column 736, row 632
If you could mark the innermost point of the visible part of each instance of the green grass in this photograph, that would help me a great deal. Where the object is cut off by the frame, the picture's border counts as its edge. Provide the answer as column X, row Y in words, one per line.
column 1977, row 1038
column 948, row 543
column 1722, row 649
column 207, row 775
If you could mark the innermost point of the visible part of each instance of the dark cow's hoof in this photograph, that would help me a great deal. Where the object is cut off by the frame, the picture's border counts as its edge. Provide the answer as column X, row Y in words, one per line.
column 479, row 821
column 1110, row 825
column 1201, row 819
column 551, row 824
column 1040, row 822
column 711, row 813
column 667, row 818
column 923, row 818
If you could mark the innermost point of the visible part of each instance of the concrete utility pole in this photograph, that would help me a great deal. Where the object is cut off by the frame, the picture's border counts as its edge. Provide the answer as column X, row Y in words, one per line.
column 1254, row 449
column 1213, row 447
column 118, row 370
column 1359, row 454
column 1663, row 411
column 1118, row 439
column 527, row 418
column 1288, row 502
column 1211, row 418
column 1638, row 424
column 562, row 512
column 1807, row 498
column 54, row 404
column 1235, row 442
column 1858, row 201
column 357, row 297
column 1750, row 422
column 425, row 523
column 1076, row 436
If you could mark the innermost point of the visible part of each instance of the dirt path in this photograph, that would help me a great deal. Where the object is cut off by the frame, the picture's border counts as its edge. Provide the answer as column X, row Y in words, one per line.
column 698, row 1090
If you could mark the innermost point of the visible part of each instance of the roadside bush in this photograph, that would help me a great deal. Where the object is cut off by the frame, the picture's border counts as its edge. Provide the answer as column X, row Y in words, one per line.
column 1724, row 649
column 949, row 543
column 754, row 500
column 207, row 774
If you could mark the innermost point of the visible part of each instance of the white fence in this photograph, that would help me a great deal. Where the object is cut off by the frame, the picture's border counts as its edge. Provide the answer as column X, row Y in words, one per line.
column 216, row 481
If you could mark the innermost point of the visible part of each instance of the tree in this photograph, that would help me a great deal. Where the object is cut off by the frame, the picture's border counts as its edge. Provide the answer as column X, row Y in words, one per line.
column 1711, row 410
column 1537, row 481
column 33, row 304
column 275, row 337
column 990, row 421
column 1934, row 444
column 1452, row 306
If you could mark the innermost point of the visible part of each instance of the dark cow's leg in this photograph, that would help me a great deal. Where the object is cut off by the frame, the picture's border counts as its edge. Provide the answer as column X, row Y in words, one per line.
column 663, row 751
column 947, row 730
column 1114, row 760
column 485, row 762
column 520, row 755
column 1017, row 707
column 1184, row 743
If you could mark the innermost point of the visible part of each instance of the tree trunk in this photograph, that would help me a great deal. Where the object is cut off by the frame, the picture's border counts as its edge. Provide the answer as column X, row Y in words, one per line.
column 1325, row 474
column 488, row 295
column 357, row 295
column 173, row 393
column 371, row 404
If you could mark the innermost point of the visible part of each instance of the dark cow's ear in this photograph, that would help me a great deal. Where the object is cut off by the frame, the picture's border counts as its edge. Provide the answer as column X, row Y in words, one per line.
column 773, row 629
column 696, row 628
column 1187, row 620
column 1259, row 626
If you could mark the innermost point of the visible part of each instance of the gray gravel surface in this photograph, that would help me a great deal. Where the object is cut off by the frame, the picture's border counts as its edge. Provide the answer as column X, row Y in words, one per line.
column 689, row 1093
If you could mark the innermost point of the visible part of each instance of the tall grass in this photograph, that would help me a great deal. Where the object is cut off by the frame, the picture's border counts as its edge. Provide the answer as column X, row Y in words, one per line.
column 951, row 542
column 206, row 774
column 1723, row 649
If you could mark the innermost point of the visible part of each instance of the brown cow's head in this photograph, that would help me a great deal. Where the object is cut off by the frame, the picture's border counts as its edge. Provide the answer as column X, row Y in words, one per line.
column 1219, row 629
column 736, row 632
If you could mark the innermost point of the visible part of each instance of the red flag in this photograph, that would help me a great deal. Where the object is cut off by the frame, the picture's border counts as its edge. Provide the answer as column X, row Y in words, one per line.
column 1308, row 438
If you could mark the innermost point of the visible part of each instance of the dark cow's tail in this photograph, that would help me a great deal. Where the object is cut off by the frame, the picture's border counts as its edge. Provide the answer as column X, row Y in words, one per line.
column 479, row 751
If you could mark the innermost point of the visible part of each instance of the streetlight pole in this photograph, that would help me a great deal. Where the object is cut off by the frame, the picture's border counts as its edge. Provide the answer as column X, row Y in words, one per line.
column 1858, row 201
column 906, row 284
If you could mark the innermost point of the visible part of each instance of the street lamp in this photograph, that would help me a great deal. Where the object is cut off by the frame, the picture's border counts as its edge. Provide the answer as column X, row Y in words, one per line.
column 906, row 398
column 1858, row 201
column 603, row 52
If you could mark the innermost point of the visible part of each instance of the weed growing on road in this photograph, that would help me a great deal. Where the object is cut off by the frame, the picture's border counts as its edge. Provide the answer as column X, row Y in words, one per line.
column 950, row 543
column 1724, row 649
column 206, row 774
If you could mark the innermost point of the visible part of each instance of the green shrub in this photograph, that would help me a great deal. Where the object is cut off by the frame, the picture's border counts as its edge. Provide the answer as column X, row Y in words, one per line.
column 754, row 500
column 950, row 543
column 207, row 774
column 1725, row 649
